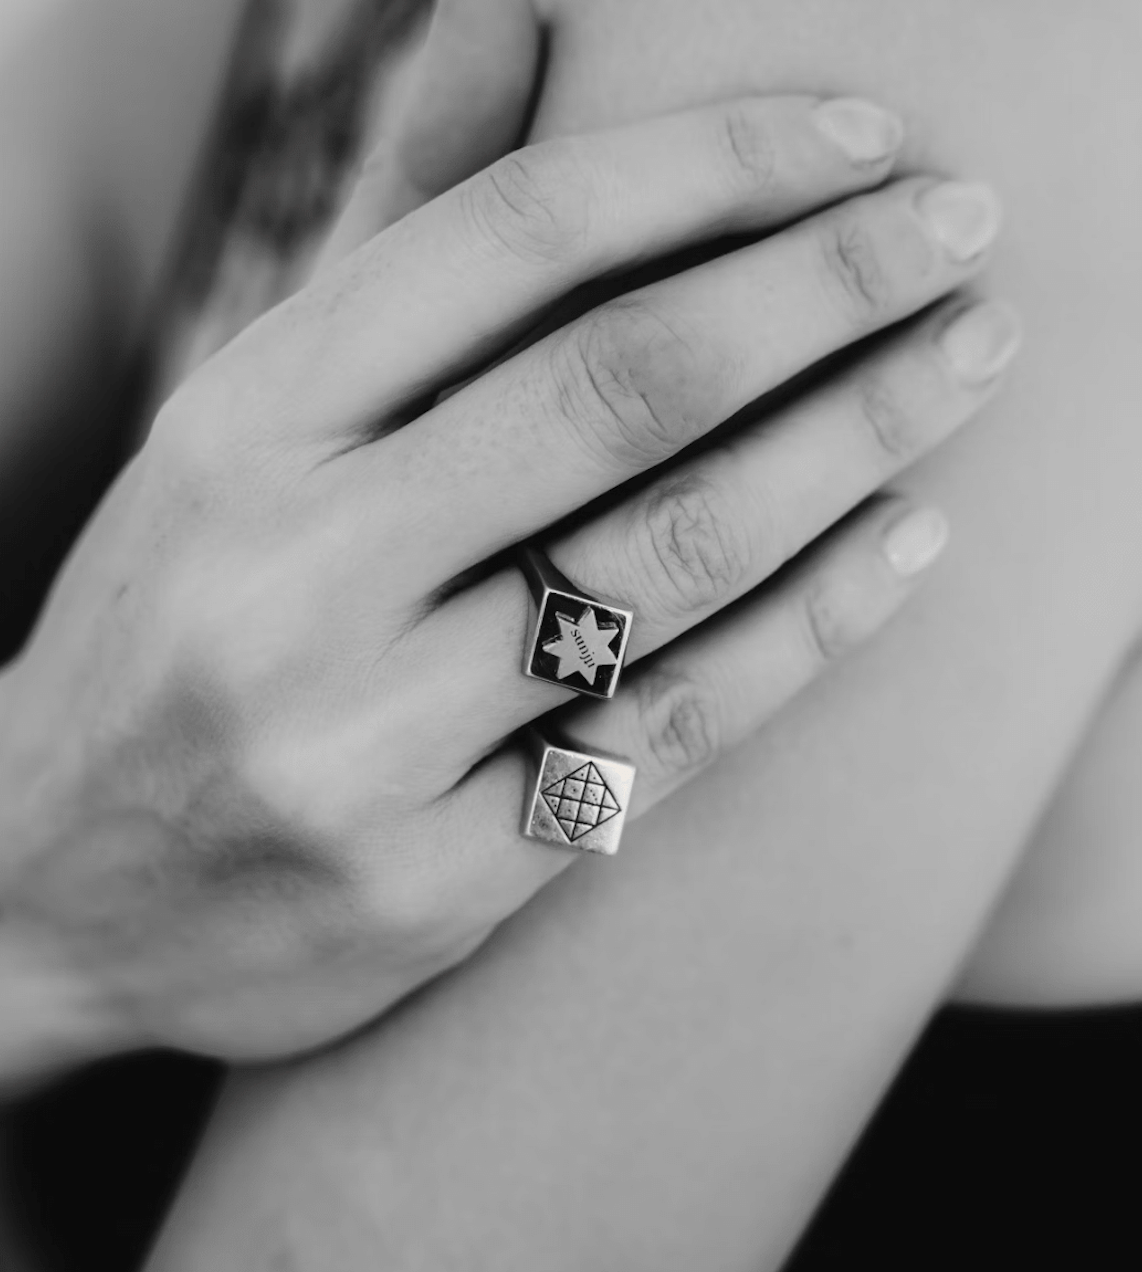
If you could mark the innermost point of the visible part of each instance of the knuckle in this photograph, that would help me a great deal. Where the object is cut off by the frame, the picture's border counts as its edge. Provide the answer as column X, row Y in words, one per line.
column 748, row 146
column 624, row 378
column 894, row 429
column 854, row 268
column 681, row 721
column 698, row 551
column 426, row 899
column 206, row 446
column 531, row 205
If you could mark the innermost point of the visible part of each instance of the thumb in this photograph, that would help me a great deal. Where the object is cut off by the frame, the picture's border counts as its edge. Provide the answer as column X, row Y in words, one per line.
column 470, row 89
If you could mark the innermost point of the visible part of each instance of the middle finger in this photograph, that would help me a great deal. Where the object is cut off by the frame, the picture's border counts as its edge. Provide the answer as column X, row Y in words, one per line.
column 636, row 380
column 717, row 525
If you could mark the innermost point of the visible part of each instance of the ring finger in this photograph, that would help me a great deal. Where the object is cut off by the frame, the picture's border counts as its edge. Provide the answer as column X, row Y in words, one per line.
column 714, row 527
column 679, row 711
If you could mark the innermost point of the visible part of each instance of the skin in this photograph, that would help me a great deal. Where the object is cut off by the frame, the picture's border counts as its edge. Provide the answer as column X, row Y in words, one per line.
column 441, row 136
column 661, row 1062
column 1066, row 933
column 250, row 795
column 1113, row 396
column 211, row 856
column 99, row 147
column 93, row 199
column 86, row 310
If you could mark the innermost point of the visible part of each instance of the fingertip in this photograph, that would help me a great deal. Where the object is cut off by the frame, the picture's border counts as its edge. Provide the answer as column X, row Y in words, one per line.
column 866, row 133
column 868, row 572
column 980, row 341
column 914, row 539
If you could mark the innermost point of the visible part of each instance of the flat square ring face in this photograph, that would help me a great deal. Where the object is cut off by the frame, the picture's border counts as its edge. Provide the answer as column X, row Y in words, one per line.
column 578, row 643
column 579, row 801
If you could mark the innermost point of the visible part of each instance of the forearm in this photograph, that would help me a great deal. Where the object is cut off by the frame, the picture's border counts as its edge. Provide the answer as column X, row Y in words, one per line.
column 1067, row 932
column 50, row 1017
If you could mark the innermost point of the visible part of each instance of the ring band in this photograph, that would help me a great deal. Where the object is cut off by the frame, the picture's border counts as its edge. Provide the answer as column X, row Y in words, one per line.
column 578, row 641
column 579, row 800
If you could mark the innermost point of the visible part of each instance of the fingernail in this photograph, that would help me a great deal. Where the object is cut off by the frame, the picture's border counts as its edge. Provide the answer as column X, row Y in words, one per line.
column 963, row 216
column 915, row 541
column 981, row 341
column 866, row 133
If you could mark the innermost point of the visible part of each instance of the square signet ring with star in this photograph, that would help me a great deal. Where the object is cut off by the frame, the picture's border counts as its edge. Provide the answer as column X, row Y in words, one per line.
column 579, row 800
column 577, row 641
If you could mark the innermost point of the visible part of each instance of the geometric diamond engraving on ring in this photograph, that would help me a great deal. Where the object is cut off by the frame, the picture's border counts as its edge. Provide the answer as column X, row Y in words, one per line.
column 579, row 800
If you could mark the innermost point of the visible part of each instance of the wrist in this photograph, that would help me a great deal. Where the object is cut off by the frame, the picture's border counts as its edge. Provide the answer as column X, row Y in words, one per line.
column 50, row 1021
column 51, row 1015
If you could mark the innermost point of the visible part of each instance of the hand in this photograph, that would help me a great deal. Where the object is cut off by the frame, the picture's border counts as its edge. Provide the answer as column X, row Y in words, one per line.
column 257, row 785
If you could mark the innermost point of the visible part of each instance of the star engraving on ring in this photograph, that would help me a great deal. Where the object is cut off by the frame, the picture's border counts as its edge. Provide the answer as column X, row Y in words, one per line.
column 582, row 646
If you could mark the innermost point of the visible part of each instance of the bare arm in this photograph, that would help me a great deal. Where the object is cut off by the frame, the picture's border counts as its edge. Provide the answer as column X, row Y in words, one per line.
column 1068, row 930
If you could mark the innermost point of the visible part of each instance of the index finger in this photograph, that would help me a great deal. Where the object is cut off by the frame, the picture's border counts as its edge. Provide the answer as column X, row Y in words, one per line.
column 446, row 286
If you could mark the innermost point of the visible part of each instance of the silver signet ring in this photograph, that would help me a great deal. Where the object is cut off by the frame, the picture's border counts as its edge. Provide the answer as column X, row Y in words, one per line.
column 577, row 641
column 578, row 800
